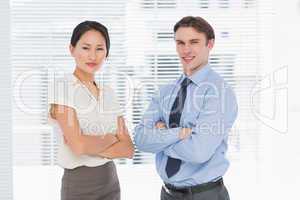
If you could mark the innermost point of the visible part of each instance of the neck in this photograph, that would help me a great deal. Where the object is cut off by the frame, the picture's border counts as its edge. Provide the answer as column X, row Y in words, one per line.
column 193, row 71
column 83, row 76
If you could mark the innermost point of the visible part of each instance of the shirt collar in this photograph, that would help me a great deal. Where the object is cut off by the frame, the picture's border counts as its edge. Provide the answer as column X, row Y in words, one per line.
column 198, row 76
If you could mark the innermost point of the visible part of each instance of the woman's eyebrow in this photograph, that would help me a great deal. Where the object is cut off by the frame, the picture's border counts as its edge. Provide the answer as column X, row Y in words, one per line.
column 87, row 44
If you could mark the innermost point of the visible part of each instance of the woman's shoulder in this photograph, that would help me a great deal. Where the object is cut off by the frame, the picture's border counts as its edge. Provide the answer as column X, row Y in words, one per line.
column 64, row 81
column 62, row 78
column 61, row 90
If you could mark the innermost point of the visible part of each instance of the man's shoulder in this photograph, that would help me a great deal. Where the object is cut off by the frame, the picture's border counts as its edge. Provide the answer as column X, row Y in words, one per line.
column 217, row 82
column 217, row 79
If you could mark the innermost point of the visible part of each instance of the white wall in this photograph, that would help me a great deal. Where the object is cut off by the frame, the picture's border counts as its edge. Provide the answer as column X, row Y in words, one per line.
column 280, row 158
column 5, row 104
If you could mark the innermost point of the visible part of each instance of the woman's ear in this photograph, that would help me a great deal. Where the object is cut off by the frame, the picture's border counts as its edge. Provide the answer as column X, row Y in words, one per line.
column 71, row 49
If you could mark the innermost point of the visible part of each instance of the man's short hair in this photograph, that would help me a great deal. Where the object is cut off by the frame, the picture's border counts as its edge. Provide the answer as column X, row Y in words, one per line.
column 198, row 23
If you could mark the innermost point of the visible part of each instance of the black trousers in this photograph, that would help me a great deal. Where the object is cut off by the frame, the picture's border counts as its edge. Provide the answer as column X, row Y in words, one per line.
column 217, row 193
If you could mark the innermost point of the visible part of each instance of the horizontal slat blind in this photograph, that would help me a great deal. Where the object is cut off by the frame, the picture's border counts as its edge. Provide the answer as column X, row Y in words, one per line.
column 142, row 58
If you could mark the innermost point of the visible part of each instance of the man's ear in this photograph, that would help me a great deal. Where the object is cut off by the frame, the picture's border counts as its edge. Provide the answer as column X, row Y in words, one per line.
column 211, row 43
column 71, row 49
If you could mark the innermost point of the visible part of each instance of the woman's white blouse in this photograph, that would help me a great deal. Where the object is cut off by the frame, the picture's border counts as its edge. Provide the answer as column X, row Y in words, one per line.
column 95, row 117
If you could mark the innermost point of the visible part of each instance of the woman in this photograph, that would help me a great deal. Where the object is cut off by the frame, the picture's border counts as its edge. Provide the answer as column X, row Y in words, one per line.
column 88, row 121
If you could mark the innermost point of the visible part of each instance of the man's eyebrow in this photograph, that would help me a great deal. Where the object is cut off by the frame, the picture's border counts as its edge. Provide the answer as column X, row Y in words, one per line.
column 195, row 40
column 191, row 40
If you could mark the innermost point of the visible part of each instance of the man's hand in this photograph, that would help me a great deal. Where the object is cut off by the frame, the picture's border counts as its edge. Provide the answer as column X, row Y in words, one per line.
column 185, row 133
column 160, row 125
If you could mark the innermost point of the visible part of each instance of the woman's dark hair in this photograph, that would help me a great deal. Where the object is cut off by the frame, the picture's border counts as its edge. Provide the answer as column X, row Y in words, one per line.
column 198, row 23
column 85, row 26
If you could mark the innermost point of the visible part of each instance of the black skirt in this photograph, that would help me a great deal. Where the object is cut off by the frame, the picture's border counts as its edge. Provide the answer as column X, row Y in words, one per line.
column 91, row 183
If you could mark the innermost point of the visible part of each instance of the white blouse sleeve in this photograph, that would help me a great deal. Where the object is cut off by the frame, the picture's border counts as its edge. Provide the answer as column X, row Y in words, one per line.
column 61, row 92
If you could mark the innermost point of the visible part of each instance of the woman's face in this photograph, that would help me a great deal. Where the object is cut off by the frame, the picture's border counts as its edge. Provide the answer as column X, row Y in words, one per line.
column 90, row 51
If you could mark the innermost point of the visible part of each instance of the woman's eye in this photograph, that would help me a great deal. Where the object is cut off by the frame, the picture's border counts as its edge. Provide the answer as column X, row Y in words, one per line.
column 100, row 49
column 85, row 48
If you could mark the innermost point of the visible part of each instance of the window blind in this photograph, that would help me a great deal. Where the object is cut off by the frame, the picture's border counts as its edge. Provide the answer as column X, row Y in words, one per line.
column 142, row 58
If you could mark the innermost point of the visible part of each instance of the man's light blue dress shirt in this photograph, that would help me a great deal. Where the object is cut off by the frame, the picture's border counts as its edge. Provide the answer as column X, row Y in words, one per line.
column 210, row 110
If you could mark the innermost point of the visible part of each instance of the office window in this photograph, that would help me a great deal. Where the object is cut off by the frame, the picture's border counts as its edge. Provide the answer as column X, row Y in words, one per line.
column 158, row 4
column 249, row 3
column 224, row 3
column 203, row 3
column 142, row 58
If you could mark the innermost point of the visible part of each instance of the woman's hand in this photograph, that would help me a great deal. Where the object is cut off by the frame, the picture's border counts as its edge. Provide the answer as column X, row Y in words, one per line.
column 124, row 147
column 122, row 131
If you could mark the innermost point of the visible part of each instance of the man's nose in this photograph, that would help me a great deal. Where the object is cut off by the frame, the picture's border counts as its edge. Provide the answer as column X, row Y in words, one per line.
column 187, row 49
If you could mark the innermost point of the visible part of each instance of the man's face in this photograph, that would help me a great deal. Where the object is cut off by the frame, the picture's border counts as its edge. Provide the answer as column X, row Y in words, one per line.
column 192, row 48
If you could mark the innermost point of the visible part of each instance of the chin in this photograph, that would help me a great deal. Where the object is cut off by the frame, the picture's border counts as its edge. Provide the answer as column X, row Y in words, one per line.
column 189, row 67
column 89, row 71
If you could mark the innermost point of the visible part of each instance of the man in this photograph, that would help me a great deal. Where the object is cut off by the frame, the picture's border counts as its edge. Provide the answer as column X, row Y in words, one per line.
column 187, row 123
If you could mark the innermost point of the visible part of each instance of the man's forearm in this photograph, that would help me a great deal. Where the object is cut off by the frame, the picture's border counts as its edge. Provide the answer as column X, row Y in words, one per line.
column 154, row 140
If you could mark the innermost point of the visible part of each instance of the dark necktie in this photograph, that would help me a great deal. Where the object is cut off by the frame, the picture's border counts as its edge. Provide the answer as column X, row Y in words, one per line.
column 173, row 164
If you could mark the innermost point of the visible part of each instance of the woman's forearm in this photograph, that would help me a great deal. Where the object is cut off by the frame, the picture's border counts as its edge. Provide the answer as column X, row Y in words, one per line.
column 93, row 145
column 79, row 143
column 121, row 149
column 124, row 147
column 90, row 144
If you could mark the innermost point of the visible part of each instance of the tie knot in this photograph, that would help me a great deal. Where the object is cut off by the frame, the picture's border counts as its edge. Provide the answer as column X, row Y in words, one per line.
column 186, row 82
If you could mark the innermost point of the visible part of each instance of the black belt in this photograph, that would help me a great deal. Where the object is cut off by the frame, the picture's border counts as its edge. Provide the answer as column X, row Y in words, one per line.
column 196, row 188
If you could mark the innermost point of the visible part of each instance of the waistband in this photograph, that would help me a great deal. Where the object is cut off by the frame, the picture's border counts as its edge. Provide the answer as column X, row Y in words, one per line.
column 196, row 188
